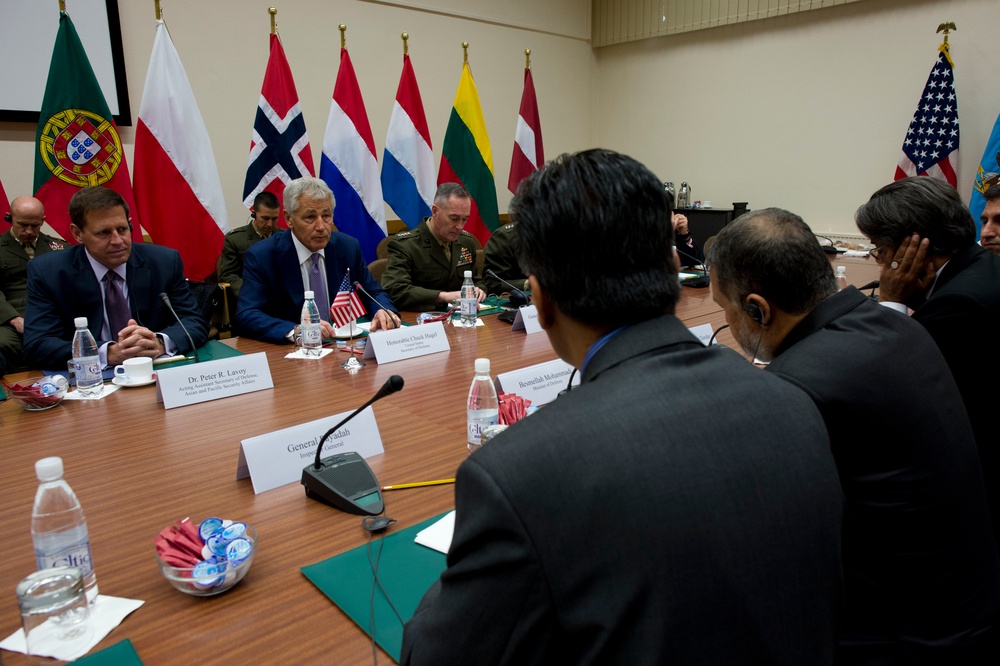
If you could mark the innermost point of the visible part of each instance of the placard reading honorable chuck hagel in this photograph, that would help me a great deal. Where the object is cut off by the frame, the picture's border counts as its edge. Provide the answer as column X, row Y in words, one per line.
column 211, row 380
column 407, row 342
column 278, row 457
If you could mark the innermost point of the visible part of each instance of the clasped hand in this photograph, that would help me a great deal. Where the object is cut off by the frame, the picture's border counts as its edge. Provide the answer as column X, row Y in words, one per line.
column 134, row 341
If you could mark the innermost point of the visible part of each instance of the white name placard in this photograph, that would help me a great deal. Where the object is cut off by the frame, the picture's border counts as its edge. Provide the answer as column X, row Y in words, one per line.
column 703, row 333
column 538, row 383
column 211, row 380
column 527, row 320
column 277, row 458
column 407, row 342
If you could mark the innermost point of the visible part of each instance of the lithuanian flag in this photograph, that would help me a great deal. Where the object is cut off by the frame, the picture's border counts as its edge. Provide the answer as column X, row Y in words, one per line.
column 466, row 158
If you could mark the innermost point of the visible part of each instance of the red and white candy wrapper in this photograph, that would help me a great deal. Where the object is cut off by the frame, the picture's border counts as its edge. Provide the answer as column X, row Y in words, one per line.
column 513, row 408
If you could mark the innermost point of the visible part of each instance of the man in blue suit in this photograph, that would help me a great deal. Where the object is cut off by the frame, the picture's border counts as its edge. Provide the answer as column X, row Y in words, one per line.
column 278, row 271
column 77, row 283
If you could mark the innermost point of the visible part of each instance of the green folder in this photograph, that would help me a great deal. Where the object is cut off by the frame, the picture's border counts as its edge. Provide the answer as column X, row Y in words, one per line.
column 213, row 350
column 120, row 654
column 406, row 570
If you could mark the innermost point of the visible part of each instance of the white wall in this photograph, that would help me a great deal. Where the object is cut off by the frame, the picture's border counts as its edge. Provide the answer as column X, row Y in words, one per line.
column 224, row 47
column 806, row 112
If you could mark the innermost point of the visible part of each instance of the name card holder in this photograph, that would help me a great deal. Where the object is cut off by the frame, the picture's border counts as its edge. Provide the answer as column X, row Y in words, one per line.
column 211, row 380
column 539, row 383
column 702, row 332
column 407, row 342
column 527, row 320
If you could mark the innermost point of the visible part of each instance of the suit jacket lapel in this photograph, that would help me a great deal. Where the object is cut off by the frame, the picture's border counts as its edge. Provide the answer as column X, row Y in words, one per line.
column 10, row 244
column 87, row 287
column 957, row 264
column 139, row 294
column 292, row 278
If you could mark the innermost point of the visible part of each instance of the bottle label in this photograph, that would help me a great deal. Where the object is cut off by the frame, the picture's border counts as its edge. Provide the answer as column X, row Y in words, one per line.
column 312, row 335
column 469, row 307
column 87, row 369
column 476, row 426
column 73, row 555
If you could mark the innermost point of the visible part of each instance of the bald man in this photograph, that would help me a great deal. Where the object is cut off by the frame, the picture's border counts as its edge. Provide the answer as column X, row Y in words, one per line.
column 22, row 243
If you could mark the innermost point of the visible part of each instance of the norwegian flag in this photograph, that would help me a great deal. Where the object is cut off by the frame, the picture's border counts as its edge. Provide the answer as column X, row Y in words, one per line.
column 931, row 144
column 279, row 148
column 346, row 305
column 528, row 154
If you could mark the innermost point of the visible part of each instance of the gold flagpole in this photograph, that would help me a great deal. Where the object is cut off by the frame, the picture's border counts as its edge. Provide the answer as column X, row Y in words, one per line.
column 157, row 10
column 465, row 53
column 406, row 48
column 62, row 6
column 527, row 58
column 946, row 28
column 343, row 36
column 274, row 20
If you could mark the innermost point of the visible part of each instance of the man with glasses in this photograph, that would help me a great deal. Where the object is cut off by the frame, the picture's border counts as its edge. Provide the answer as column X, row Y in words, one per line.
column 922, row 576
column 925, row 243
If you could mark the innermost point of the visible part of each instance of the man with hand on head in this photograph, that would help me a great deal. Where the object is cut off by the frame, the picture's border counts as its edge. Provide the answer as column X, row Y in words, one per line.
column 114, row 284
column 427, row 265
column 677, row 507
column 925, row 242
column 278, row 271
column 21, row 244
column 922, row 576
column 263, row 218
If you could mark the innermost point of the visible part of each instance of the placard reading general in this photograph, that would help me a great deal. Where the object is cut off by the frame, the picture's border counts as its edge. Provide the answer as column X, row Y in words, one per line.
column 277, row 458
column 211, row 380
column 527, row 320
column 407, row 342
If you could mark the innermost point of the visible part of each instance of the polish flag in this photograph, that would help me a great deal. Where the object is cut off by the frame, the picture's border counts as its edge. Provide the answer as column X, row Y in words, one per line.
column 528, row 154
column 407, row 161
column 349, row 164
column 4, row 202
column 176, row 185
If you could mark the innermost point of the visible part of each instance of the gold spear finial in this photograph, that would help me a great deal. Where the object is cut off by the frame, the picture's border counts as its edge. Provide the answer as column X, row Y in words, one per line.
column 62, row 6
column 157, row 10
column 274, row 20
column 343, row 36
column 946, row 28
column 465, row 53
column 406, row 49
column 527, row 58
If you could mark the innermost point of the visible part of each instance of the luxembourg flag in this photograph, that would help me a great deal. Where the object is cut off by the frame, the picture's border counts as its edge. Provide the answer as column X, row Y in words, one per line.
column 177, row 187
column 349, row 165
column 407, row 162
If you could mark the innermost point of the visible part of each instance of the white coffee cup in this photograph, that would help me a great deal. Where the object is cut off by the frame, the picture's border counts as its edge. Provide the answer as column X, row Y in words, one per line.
column 135, row 370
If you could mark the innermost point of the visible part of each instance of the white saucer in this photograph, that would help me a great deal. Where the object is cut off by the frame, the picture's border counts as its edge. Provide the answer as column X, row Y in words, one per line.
column 121, row 381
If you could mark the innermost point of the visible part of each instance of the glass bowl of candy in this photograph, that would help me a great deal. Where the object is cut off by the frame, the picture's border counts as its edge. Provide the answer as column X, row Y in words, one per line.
column 38, row 393
column 206, row 558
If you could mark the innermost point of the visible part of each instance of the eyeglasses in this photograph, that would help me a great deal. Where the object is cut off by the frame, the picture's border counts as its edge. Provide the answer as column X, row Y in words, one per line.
column 878, row 253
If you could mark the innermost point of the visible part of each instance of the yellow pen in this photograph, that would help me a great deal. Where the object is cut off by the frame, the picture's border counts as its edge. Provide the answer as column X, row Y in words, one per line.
column 400, row 486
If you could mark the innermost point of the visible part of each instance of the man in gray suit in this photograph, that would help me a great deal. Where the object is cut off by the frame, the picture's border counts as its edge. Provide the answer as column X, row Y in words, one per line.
column 678, row 506
column 22, row 243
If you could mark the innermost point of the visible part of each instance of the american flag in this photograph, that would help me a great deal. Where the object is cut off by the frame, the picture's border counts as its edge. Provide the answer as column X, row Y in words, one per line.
column 931, row 144
column 346, row 305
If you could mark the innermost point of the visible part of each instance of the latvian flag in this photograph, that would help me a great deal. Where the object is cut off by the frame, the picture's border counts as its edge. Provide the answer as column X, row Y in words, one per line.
column 349, row 165
column 177, row 186
column 407, row 162
column 528, row 154
column 279, row 148
column 346, row 305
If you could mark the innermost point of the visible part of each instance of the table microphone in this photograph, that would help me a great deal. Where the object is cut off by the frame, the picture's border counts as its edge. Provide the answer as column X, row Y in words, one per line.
column 166, row 299
column 358, row 287
column 517, row 297
column 344, row 480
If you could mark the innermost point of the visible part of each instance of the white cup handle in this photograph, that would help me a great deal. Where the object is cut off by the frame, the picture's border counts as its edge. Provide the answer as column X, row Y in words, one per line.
column 120, row 371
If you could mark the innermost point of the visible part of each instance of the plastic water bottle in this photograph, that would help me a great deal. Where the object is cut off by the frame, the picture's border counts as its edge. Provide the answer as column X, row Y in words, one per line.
column 58, row 527
column 469, row 305
column 841, row 278
column 86, row 361
column 312, row 333
column 483, row 404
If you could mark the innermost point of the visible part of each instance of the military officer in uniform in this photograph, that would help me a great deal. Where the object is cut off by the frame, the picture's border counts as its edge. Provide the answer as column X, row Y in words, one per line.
column 22, row 243
column 502, row 260
column 427, row 265
column 262, row 220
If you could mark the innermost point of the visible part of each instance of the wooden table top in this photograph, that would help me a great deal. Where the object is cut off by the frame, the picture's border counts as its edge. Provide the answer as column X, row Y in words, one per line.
column 137, row 468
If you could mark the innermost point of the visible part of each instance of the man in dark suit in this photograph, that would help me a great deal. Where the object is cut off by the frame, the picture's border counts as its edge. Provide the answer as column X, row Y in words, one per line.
column 921, row 570
column 278, row 271
column 677, row 507
column 23, row 242
column 925, row 242
column 114, row 284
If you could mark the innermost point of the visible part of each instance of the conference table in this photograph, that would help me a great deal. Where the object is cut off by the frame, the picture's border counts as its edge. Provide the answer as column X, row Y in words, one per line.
column 138, row 468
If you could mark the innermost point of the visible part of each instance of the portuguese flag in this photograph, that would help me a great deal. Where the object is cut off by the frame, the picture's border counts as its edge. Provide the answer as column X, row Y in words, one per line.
column 466, row 158
column 77, row 142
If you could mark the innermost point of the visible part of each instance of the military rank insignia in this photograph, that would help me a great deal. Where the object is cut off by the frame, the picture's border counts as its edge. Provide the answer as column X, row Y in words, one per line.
column 465, row 257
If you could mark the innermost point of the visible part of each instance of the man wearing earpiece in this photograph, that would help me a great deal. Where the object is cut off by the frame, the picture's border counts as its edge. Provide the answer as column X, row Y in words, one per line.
column 922, row 573
column 22, row 243
column 263, row 219
column 114, row 284
column 925, row 242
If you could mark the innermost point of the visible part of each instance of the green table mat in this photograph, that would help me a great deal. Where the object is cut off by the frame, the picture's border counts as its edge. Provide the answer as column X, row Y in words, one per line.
column 120, row 654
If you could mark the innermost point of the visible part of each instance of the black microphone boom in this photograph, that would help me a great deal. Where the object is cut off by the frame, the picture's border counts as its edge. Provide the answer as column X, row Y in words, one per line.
column 344, row 480
column 166, row 299
column 517, row 297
